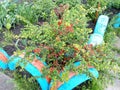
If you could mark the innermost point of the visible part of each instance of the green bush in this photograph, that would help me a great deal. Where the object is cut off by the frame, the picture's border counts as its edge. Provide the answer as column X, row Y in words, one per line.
column 61, row 35
column 43, row 8
column 24, row 80
column 69, row 35
column 114, row 3
column 7, row 11
column 25, row 10
column 72, row 3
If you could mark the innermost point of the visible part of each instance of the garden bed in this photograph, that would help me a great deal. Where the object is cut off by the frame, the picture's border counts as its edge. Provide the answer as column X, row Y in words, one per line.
column 57, row 32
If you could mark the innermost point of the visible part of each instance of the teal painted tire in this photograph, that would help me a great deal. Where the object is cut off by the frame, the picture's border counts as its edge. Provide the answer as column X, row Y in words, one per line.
column 3, row 59
column 31, row 69
column 76, row 79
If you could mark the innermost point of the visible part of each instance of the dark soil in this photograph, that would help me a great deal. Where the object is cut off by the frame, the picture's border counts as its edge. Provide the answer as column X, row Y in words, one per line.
column 41, row 21
column 111, row 12
column 17, row 29
column 91, row 24
column 11, row 48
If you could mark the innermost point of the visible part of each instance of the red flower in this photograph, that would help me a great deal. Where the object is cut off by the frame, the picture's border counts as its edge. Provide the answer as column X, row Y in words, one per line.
column 60, row 33
column 69, row 28
column 49, row 56
column 59, row 22
column 75, row 54
column 67, row 58
column 37, row 50
column 76, row 49
column 61, row 52
column 51, row 69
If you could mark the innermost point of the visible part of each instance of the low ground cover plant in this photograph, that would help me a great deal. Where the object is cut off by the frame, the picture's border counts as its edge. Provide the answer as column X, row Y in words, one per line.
column 99, row 6
column 9, row 10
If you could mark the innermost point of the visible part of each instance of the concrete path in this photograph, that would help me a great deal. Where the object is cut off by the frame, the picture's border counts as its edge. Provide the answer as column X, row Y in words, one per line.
column 6, row 82
column 115, row 86
column 117, row 44
column 116, row 83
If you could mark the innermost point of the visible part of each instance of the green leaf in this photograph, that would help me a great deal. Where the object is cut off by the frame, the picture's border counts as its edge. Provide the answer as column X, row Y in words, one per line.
column 8, row 26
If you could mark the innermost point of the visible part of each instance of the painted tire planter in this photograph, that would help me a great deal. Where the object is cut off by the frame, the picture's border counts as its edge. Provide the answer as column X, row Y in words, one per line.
column 101, row 25
column 97, row 37
column 28, row 78
column 117, row 21
column 34, row 68
column 3, row 59
column 74, row 80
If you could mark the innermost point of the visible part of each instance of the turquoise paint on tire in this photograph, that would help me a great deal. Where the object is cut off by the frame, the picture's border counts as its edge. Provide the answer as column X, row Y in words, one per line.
column 117, row 21
column 4, row 65
column 97, row 37
column 36, row 73
column 101, row 25
column 14, row 60
column 116, row 25
column 77, row 79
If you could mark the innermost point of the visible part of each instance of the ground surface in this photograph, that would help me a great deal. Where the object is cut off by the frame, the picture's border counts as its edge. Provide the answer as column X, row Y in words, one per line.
column 6, row 82
column 116, row 83
column 115, row 86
